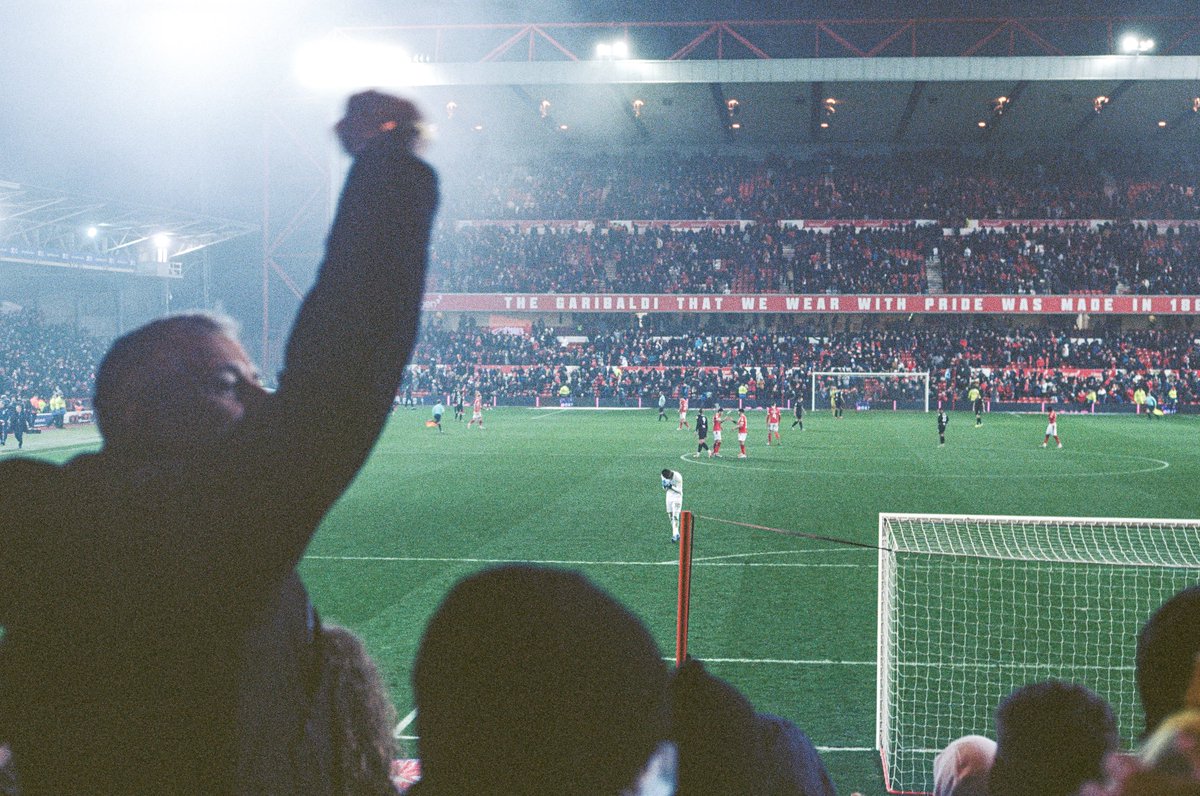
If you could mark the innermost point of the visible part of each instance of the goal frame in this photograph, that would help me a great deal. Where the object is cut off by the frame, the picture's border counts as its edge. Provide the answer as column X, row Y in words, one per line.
column 812, row 381
column 887, row 573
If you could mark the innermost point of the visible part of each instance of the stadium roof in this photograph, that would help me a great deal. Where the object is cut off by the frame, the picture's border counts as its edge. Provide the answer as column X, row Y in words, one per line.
column 1011, row 83
column 40, row 226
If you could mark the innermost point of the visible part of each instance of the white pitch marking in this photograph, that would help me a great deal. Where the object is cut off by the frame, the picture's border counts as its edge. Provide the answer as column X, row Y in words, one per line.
column 848, row 749
column 785, row 662
column 781, row 467
column 777, row 553
column 398, row 733
column 670, row 563
column 550, row 413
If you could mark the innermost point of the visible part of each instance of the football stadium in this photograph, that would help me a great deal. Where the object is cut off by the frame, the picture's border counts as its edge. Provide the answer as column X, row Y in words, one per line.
column 897, row 310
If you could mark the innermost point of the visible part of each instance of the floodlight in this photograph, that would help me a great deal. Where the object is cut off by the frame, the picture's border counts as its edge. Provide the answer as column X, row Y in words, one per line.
column 617, row 50
column 1134, row 44
column 161, row 240
column 92, row 232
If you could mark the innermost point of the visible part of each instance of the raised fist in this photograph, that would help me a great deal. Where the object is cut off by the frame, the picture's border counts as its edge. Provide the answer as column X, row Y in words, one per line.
column 370, row 114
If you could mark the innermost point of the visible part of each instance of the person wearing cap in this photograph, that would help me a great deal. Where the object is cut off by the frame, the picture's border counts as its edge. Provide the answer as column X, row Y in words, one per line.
column 531, row 680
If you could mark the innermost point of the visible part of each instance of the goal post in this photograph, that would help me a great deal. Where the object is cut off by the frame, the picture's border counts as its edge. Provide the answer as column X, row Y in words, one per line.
column 903, row 389
column 973, row 607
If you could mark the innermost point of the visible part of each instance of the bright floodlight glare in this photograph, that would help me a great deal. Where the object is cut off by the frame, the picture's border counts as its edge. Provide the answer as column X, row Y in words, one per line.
column 1132, row 43
column 92, row 232
column 339, row 64
column 162, row 240
column 612, row 50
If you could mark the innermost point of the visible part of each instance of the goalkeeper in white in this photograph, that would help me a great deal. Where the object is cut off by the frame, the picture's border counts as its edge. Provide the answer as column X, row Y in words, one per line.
column 672, row 482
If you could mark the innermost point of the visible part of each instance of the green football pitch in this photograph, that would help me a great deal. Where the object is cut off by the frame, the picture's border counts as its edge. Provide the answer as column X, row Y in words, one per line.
column 791, row 621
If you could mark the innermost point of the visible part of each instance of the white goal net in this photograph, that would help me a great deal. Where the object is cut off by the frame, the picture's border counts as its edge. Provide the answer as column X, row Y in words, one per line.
column 862, row 390
column 973, row 607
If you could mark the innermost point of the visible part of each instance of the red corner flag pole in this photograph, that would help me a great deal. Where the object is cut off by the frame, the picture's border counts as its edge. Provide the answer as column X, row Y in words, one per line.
column 685, row 587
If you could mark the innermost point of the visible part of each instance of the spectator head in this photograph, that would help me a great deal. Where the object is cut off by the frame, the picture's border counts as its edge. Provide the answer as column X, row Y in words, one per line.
column 370, row 114
column 1166, row 649
column 1173, row 749
column 962, row 768
column 1051, row 738
column 534, row 681
column 361, row 714
column 174, row 385
column 726, row 747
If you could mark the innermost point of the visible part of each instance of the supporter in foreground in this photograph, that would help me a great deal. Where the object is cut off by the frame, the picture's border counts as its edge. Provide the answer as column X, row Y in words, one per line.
column 158, row 639
column 1167, row 647
column 725, row 746
column 361, row 716
column 534, row 681
column 1168, row 761
column 962, row 768
column 1051, row 738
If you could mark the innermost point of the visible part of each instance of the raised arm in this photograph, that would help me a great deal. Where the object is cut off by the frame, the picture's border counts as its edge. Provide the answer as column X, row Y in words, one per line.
column 356, row 328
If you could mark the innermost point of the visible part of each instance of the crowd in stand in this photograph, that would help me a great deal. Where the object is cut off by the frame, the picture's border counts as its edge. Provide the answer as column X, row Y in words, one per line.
column 1113, row 258
column 939, row 185
column 1009, row 363
column 37, row 358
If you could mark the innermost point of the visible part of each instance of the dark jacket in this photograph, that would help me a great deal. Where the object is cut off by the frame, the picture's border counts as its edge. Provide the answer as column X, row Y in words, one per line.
column 131, row 584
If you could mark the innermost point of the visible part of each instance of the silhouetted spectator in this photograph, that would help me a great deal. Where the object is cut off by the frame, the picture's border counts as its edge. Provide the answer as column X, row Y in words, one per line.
column 534, row 681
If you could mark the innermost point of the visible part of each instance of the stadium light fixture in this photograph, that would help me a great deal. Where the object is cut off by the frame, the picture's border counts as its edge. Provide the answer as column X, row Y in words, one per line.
column 563, row 127
column 735, row 126
column 1132, row 44
column 1162, row 122
column 92, row 232
column 824, row 125
column 981, row 123
column 617, row 50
